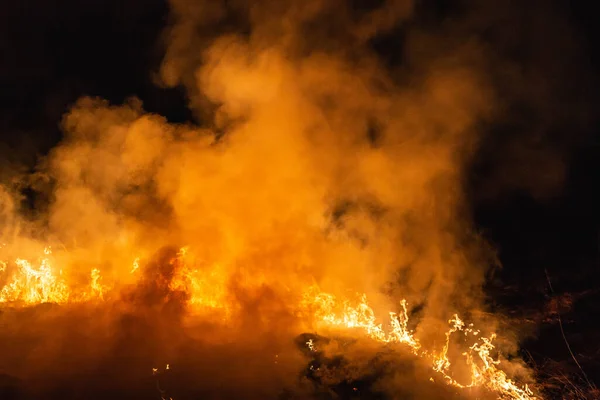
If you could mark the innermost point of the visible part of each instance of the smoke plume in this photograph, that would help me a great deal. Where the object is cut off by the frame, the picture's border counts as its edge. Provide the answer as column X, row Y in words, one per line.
column 313, row 162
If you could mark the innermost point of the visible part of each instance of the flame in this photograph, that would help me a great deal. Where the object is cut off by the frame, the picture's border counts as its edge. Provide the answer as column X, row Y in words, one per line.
column 205, row 286
column 136, row 265
column 483, row 367
column 31, row 283
column 39, row 281
column 362, row 317
column 35, row 284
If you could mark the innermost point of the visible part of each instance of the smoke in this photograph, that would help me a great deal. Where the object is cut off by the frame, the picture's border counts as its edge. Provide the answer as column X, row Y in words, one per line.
column 320, row 167
column 303, row 105
column 315, row 162
column 545, row 87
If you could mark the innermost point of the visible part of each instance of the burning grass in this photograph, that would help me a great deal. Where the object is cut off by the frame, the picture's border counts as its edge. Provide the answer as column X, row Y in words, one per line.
column 323, row 193
column 66, row 340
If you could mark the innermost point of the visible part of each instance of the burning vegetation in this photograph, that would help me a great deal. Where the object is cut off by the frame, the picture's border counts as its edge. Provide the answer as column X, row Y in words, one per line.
column 178, row 295
column 308, row 238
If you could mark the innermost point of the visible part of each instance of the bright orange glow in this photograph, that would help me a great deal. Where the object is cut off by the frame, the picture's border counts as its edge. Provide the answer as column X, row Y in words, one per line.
column 37, row 282
column 40, row 281
column 205, row 287
column 484, row 370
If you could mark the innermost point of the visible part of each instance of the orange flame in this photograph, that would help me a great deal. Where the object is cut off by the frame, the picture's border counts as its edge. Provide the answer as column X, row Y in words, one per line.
column 484, row 369
column 41, row 282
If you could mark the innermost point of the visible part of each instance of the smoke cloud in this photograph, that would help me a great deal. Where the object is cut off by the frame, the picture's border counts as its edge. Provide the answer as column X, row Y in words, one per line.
column 314, row 162
column 319, row 166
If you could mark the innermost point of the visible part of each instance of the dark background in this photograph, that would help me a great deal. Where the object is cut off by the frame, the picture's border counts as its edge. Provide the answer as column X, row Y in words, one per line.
column 53, row 52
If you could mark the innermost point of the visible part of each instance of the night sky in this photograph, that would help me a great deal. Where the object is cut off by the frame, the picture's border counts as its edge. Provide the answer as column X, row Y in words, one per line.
column 532, row 186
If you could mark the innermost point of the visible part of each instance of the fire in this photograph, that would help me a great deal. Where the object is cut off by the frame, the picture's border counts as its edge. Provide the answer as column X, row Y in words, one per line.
column 205, row 286
column 483, row 367
column 362, row 317
column 34, row 284
column 31, row 283
column 39, row 281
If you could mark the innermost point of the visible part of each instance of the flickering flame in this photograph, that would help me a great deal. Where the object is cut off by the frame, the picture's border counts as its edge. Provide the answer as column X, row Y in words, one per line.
column 40, row 281
column 135, row 265
column 484, row 369
column 37, row 282
column 362, row 317
column 205, row 286
column 33, row 282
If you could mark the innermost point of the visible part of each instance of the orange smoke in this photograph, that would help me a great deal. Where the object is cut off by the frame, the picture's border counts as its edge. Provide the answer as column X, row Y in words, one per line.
column 318, row 177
